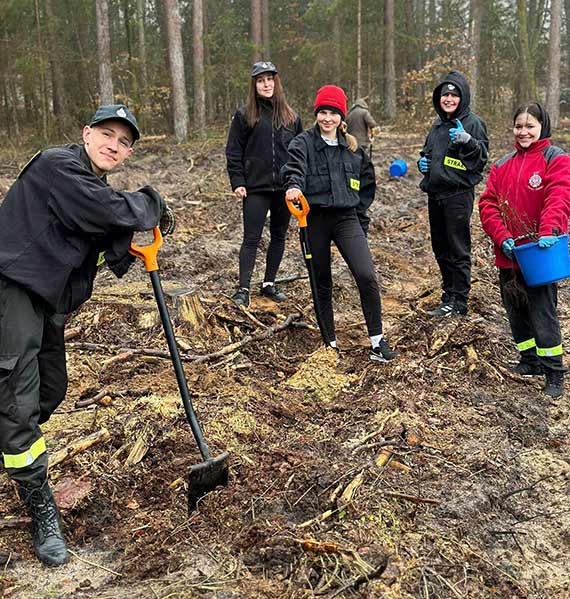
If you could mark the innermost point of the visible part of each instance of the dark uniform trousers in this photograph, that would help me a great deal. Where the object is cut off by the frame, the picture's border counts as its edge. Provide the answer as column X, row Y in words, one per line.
column 532, row 315
column 33, row 379
column 450, row 230
column 344, row 228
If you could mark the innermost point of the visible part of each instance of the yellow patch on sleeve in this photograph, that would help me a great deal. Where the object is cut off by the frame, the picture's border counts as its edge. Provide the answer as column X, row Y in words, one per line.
column 355, row 184
column 454, row 163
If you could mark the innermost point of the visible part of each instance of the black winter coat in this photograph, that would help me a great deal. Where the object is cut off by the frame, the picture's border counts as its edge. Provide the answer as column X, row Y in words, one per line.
column 328, row 176
column 58, row 217
column 454, row 168
column 256, row 154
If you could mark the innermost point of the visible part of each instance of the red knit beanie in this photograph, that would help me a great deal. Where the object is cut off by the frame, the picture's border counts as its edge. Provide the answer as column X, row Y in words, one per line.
column 331, row 97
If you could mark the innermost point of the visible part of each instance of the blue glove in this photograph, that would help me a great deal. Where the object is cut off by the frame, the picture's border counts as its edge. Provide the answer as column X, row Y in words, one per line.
column 458, row 135
column 423, row 165
column 508, row 246
column 547, row 240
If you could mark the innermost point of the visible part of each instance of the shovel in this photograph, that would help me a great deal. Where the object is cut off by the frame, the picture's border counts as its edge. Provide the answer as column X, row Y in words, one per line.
column 299, row 208
column 212, row 472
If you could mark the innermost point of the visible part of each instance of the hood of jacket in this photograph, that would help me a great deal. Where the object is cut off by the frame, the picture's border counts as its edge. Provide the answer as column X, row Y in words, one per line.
column 458, row 79
column 359, row 103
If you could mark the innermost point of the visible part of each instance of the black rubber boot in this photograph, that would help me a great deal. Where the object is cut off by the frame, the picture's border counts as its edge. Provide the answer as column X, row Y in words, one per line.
column 47, row 537
column 554, row 383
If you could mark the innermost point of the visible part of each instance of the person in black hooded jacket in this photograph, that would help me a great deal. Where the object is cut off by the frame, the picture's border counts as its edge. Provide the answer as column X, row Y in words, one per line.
column 256, row 150
column 56, row 222
column 452, row 161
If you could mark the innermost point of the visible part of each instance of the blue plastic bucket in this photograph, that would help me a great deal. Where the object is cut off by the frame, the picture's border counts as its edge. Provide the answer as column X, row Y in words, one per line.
column 398, row 168
column 541, row 266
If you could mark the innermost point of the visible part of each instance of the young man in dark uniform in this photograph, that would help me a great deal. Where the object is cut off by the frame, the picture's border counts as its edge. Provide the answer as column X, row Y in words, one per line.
column 56, row 220
column 452, row 161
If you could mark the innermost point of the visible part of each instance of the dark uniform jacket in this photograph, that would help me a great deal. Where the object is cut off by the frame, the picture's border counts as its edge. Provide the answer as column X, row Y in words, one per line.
column 56, row 219
column 329, row 176
column 256, row 154
column 454, row 168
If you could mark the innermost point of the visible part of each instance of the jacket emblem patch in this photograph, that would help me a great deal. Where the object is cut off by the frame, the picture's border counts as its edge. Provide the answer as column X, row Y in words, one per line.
column 454, row 163
column 535, row 182
column 355, row 184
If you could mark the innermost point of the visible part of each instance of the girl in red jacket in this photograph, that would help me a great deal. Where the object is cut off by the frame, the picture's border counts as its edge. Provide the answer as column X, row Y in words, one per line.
column 526, row 199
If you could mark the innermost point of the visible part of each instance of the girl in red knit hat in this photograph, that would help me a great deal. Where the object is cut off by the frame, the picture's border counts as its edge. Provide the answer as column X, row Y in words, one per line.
column 337, row 178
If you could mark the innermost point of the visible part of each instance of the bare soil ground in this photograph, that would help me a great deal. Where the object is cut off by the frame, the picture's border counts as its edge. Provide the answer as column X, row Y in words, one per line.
column 439, row 475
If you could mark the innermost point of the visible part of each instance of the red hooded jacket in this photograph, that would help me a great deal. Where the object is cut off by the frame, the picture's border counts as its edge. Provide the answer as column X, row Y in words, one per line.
column 528, row 192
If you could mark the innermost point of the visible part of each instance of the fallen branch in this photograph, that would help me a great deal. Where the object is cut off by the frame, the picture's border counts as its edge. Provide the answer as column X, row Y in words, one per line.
column 523, row 489
column 14, row 522
column 82, row 403
column 78, row 446
column 361, row 579
column 72, row 333
column 412, row 498
column 196, row 359
column 291, row 278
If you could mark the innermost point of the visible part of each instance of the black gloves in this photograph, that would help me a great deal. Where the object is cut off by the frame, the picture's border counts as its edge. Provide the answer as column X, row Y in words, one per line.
column 167, row 219
column 167, row 222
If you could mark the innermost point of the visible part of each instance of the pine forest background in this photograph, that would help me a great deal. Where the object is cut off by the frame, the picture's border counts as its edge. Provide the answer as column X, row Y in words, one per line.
column 183, row 65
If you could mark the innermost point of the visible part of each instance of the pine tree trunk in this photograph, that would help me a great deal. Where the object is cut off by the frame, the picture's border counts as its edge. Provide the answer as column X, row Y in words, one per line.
column 389, row 61
column 42, row 73
column 553, row 83
column 176, row 61
column 141, row 44
column 58, row 88
column 104, row 52
column 256, row 30
column 359, row 49
column 476, row 17
column 526, row 63
column 198, row 55
column 266, row 30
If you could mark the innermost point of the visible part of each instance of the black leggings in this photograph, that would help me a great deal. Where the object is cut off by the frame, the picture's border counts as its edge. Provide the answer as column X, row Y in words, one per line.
column 255, row 209
column 344, row 228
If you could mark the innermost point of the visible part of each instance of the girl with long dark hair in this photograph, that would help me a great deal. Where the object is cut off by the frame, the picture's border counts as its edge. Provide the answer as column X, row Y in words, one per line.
column 256, row 150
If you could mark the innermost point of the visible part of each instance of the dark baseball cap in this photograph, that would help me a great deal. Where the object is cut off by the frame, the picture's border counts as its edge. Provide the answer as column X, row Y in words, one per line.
column 263, row 67
column 449, row 88
column 116, row 112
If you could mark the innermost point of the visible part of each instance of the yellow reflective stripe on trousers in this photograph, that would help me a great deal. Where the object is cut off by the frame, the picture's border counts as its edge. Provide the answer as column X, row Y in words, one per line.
column 528, row 344
column 26, row 458
column 549, row 351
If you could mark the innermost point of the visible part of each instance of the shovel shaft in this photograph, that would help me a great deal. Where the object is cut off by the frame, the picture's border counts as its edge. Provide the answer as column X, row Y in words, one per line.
column 177, row 362
column 306, row 249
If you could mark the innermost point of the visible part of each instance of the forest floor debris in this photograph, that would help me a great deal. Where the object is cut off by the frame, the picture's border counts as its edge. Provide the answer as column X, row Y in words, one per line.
column 438, row 475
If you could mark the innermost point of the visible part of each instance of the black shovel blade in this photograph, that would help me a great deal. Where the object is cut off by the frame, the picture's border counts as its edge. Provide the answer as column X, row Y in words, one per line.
column 205, row 477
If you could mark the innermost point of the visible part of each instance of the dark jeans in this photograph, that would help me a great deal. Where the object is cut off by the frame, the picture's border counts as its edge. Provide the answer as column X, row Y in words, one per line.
column 33, row 376
column 255, row 209
column 449, row 221
column 344, row 228
column 532, row 314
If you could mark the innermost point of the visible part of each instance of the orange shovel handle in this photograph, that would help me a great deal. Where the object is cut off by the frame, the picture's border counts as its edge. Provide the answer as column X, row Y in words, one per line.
column 148, row 253
column 299, row 208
